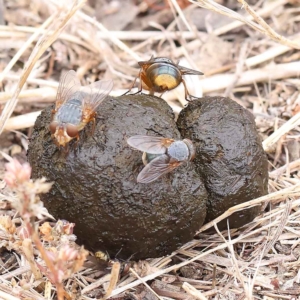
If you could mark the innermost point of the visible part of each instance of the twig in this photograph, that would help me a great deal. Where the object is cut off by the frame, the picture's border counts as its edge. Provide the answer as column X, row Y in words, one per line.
column 6, row 296
column 38, row 95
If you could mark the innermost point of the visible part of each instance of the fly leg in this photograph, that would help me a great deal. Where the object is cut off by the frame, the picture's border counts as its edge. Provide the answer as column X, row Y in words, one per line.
column 77, row 141
column 161, row 94
column 93, row 120
column 76, row 144
column 66, row 149
column 132, row 85
column 188, row 96
column 140, row 84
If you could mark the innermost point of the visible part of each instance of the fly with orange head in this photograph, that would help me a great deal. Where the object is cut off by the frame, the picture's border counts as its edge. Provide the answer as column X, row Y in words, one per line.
column 75, row 107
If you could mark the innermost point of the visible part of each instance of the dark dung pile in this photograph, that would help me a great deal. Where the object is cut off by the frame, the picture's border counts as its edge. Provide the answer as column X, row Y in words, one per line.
column 95, row 184
column 229, row 156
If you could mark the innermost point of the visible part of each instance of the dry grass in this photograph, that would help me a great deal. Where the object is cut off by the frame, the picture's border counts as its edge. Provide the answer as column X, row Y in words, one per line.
column 250, row 55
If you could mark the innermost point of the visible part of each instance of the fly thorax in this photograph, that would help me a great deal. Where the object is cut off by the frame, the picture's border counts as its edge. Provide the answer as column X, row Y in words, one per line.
column 163, row 59
column 71, row 111
column 179, row 151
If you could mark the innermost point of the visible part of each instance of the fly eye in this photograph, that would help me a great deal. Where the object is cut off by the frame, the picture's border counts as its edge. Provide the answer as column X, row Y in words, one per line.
column 52, row 127
column 72, row 130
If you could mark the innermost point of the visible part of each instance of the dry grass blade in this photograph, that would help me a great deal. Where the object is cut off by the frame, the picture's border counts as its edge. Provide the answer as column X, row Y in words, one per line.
column 115, row 271
column 274, row 137
column 64, row 15
column 265, row 74
column 269, row 54
column 265, row 29
column 180, row 13
column 6, row 296
column 268, row 30
column 48, row 287
column 96, row 284
column 237, row 273
column 280, row 227
column 144, row 283
column 22, row 121
column 115, row 40
column 265, row 11
column 287, row 192
column 192, row 291
column 239, row 68
column 292, row 166
column 25, row 46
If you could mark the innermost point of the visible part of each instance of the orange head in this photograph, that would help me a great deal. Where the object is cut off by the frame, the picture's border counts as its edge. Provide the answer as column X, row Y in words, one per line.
column 63, row 133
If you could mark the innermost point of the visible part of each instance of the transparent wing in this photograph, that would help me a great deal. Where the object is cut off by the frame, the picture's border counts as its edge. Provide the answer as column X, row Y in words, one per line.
column 147, row 62
column 96, row 93
column 149, row 144
column 68, row 85
column 187, row 71
column 156, row 168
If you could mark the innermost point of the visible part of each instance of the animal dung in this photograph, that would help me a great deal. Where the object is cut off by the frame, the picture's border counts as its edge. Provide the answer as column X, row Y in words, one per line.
column 229, row 156
column 95, row 182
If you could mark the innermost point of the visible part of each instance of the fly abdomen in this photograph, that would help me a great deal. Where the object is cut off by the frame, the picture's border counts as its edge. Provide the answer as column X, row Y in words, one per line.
column 70, row 112
column 179, row 151
column 164, row 75
column 147, row 157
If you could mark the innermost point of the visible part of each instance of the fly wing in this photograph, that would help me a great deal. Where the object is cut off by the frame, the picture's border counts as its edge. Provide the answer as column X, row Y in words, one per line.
column 96, row 93
column 68, row 85
column 187, row 71
column 147, row 62
column 149, row 144
column 156, row 168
